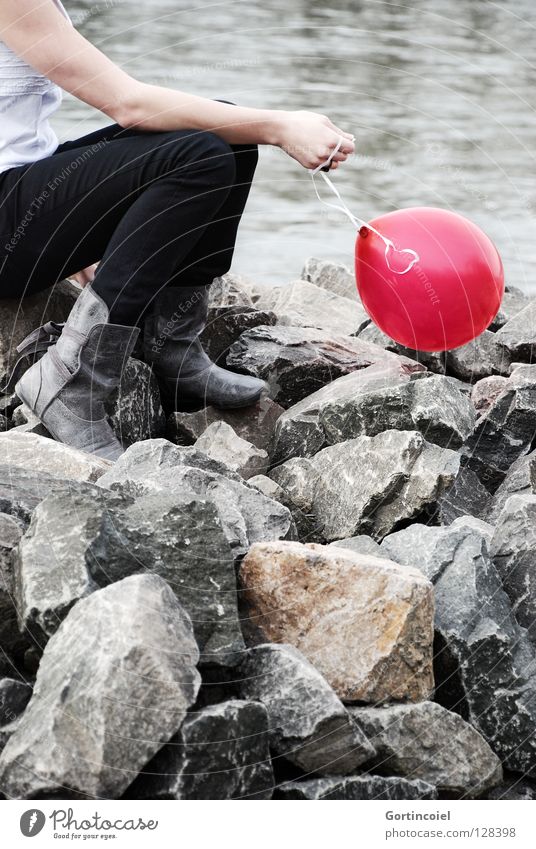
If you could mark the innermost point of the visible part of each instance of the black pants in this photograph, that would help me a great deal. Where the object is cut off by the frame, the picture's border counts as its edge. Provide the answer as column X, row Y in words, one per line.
column 155, row 208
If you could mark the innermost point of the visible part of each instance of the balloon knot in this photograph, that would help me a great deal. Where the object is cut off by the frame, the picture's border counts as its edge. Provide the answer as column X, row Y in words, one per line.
column 364, row 231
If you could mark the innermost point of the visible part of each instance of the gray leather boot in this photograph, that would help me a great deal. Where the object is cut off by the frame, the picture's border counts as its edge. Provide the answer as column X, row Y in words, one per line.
column 186, row 375
column 67, row 387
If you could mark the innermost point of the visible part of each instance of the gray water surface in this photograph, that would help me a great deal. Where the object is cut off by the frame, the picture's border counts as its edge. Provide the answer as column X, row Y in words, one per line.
column 439, row 93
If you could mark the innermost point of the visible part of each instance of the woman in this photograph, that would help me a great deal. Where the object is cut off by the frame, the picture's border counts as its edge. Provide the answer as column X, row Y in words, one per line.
column 155, row 198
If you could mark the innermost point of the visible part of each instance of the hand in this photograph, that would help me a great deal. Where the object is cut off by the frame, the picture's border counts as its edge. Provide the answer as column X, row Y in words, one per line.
column 310, row 138
column 85, row 276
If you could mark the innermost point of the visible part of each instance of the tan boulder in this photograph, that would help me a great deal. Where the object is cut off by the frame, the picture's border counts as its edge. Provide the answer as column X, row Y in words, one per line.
column 366, row 623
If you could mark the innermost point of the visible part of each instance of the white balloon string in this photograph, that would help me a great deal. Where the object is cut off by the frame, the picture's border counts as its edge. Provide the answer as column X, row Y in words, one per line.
column 359, row 222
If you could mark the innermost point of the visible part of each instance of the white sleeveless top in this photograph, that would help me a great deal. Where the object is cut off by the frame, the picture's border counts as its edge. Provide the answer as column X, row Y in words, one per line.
column 27, row 100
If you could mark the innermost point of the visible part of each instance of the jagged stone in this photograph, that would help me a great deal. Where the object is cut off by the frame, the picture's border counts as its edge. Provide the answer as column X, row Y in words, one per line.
column 29, row 451
column 361, row 544
column 14, row 696
column 435, row 362
column 520, row 480
column 334, row 277
column 255, row 423
column 228, row 291
column 428, row 742
column 486, row 391
column 514, row 300
column 309, row 725
column 365, row 623
column 225, row 325
column 21, row 490
column 295, row 480
column 466, row 496
column 506, row 431
column 479, row 358
column 516, row 337
column 370, row 485
column 103, row 722
column 359, row 788
column 220, row 752
column 247, row 516
column 300, row 431
column 513, row 549
column 221, row 442
column 297, row 361
column 134, row 409
column 76, row 544
column 515, row 789
column 11, row 640
column 485, row 665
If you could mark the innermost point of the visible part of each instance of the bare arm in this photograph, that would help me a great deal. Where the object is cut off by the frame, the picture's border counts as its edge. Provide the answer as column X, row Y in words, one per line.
column 38, row 32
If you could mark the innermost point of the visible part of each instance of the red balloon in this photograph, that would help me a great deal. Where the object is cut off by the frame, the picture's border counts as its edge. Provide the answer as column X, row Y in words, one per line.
column 451, row 294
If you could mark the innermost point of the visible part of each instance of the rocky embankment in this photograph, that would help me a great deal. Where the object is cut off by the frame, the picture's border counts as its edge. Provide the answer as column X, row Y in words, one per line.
column 329, row 595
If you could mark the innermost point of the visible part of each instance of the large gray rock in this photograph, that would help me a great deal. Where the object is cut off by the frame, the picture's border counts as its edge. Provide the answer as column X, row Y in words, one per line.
column 14, row 696
column 76, row 544
column 11, row 640
column 514, row 300
column 466, row 496
column 506, row 431
column 334, row 277
column 255, row 423
column 370, row 484
column 485, row 665
column 359, row 788
column 428, row 742
column 134, row 408
column 103, row 722
column 225, row 325
column 309, row 725
column 294, row 482
column 520, row 480
column 297, row 361
column 479, row 358
column 247, row 516
column 486, row 391
column 21, row 490
column 220, row 752
column 29, row 451
column 361, row 544
column 516, row 337
column 433, row 361
column 365, row 623
column 513, row 549
column 230, row 290
column 221, row 442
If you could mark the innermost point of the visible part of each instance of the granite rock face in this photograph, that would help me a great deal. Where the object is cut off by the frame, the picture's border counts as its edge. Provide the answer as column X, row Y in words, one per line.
column 221, row 442
column 513, row 549
column 309, row 725
column 297, row 361
column 134, row 409
column 370, row 485
column 359, row 788
column 485, row 665
column 220, row 752
column 82, row 745
column 247, row 516
column 427, row 742
column 365, row 623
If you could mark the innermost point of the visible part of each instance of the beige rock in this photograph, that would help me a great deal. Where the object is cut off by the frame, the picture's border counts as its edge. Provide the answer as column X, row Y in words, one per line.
column 364, row 622
column 41, row 454
column 222, row 443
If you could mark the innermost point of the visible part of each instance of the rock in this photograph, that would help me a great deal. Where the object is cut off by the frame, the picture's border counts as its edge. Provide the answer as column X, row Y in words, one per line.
column 221, row 442
column 485, row 666
column 486, row 391
column 513, row 550
column 24, row 421
column 436, row 362
column 103, row 722
column 333, row 277
column 29, row 451
column 11, row 640
column 14, row 696
column 514, row 300
column 229, row 291
column 4, row 424
column 362, row 788
column 365, row 623
column 478, row 358
column 361, row 544
column 297, row 361
column 309, row 725
column 370, row 485
column 134, row 409
column 516, row 337
column 303, row 304
column 225, row 325
column 6, row 732
column 300, row 432
column 295, row 480
column 255, row 423
column 520, row 480
column 505, row 432
column 466, row 496
column 427, row 742
column 21, row 490
column 220, row 752
column 18, row 317
column 8, row 404
column 515, row 790
column 76, row 544
column 247, row 516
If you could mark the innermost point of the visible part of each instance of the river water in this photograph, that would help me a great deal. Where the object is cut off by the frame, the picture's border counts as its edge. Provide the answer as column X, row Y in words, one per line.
column 440, row 94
